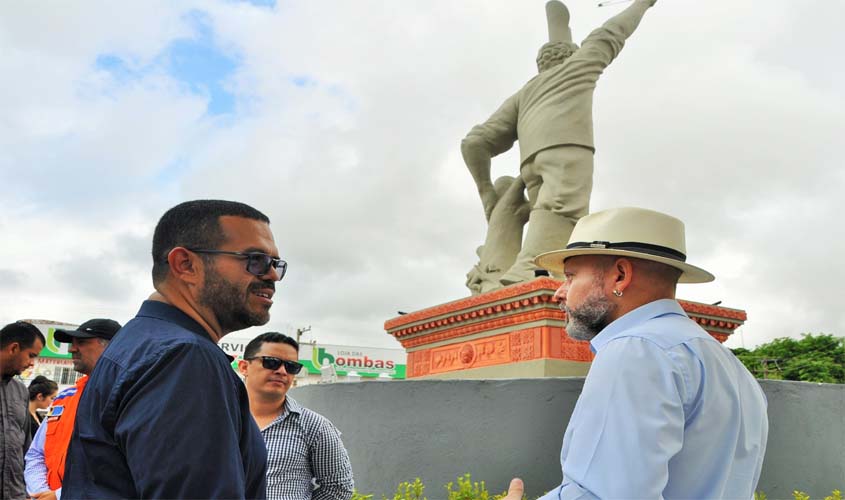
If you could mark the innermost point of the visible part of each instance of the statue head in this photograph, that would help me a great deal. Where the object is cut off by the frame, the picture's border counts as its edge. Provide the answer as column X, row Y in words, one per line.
column 553, row 53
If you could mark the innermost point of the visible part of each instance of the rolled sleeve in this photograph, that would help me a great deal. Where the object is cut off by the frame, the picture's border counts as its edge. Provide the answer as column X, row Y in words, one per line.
column 497, row 134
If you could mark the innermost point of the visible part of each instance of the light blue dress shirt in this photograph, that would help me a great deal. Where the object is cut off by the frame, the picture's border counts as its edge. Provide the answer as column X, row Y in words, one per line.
column 666, row 412
column 35, row 472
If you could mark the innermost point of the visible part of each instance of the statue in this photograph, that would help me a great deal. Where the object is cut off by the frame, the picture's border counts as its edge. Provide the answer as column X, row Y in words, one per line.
column 551, row 117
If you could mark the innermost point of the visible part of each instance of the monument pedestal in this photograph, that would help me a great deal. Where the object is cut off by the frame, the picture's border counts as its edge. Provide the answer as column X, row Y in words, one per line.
column 514, row 332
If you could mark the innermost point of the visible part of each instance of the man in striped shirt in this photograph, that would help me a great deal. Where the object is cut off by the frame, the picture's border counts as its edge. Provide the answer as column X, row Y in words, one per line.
column 305, row 456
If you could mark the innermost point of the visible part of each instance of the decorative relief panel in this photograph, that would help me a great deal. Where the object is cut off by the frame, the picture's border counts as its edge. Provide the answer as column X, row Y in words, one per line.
column 445, row 359
column 420, row 362
column 492, row 351
column 526, row 344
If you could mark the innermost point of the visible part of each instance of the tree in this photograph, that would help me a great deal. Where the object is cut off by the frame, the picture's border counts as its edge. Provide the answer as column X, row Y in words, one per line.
column 813, row 358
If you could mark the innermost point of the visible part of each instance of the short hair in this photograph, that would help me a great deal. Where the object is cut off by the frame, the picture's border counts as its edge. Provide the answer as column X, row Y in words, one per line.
column 23, row 333
column 272, row 337
column 660, row 272
column 194, row 224
column 553, row 53
column 43, row 386
column 657, row 272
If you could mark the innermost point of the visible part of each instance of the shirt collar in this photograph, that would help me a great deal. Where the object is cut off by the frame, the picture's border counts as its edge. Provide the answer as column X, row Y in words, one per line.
column 639, row 315
column 166, row 312
column 292, row 406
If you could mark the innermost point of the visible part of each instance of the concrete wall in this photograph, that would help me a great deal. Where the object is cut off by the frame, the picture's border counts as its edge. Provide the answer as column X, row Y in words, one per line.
column 498, row 429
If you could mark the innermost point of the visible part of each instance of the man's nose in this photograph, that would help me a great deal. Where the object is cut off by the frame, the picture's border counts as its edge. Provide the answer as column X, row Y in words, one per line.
column 560, row 293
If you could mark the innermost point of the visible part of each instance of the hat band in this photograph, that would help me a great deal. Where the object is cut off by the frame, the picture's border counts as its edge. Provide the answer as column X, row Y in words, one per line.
column 632, row 246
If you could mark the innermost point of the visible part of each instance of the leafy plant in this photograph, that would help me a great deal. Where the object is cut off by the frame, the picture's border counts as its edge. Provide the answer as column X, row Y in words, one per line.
column 800, row 495
column 409, row 491
column 359, row 496
column 469, row 490
column 813, row 358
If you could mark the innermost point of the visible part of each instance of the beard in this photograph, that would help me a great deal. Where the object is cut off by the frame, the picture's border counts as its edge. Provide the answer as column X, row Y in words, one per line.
column 590, row 318
column 229, row 304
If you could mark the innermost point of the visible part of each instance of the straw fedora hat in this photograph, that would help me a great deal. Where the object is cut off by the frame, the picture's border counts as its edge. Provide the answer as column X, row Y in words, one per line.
column 628, row 232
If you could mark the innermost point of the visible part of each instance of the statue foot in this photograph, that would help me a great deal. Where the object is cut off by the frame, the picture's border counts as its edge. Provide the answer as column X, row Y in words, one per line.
column 513, row 277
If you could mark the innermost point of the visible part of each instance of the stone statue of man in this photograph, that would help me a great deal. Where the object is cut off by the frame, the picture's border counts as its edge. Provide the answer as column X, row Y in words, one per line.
column 551, row 117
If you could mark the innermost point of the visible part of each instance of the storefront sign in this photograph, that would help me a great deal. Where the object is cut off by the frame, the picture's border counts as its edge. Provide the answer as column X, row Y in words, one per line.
column 364, row 361
column 53, row 349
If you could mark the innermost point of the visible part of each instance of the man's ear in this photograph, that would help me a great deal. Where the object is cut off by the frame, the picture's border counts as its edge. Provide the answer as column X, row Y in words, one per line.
column 185, row 265
column 242, row 364
column 13, row 348
column 622, row 273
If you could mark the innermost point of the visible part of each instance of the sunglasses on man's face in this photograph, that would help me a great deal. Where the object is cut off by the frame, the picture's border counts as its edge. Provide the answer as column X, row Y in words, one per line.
column 273, row 363
column 257, row 263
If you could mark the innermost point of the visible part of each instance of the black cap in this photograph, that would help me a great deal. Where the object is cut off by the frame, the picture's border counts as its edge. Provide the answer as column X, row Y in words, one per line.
column 99, row 328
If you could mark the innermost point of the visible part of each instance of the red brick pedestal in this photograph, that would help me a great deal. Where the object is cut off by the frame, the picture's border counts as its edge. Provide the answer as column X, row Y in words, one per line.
column 516, row 331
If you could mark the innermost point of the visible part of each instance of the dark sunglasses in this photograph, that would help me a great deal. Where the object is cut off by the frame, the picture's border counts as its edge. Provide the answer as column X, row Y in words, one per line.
column 257, row 263
column 272, row 363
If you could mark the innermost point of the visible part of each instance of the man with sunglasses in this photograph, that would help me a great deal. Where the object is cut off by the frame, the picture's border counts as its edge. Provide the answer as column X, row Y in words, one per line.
column 305, row 457
column 163, row 414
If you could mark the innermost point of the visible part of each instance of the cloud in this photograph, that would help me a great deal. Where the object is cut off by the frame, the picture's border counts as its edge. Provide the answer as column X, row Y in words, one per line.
column 9, row 279
column 342, row 122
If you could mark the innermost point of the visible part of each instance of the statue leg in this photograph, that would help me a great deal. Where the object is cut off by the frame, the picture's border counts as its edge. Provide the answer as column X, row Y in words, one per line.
column 565, row 175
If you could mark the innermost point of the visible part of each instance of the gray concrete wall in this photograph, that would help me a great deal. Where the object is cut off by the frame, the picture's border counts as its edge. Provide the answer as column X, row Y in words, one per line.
column 498, row 429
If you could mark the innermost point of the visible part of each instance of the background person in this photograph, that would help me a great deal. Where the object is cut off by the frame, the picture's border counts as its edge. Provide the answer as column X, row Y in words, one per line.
column 20, row 343
column 163, row 414
column 45, row 459
column 41, row 393
column 305, row 457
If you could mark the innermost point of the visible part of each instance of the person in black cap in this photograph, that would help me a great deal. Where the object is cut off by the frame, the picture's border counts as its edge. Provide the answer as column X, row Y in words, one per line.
column 45, row 460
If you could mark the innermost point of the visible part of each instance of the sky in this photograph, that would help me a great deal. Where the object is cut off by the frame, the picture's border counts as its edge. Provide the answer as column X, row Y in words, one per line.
column 342, row 122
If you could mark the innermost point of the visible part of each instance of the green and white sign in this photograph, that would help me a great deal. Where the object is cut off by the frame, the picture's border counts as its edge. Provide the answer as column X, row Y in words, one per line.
column 343, row 360
column 365, row 361
column 54, row 349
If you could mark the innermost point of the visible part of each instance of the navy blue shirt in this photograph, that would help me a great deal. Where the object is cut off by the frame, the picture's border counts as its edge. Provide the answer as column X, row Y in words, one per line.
column 164, row 416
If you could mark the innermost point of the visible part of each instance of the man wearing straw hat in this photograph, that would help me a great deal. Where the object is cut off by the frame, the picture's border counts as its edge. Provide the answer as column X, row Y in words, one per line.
column 551, row 117
column 666, row 411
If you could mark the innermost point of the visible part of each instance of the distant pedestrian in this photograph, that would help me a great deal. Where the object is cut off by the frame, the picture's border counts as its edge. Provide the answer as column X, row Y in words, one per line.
column 41, row 393
column 20, row 343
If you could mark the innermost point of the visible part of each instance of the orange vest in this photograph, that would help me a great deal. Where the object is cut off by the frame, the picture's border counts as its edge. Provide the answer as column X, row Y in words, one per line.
column 59, row 430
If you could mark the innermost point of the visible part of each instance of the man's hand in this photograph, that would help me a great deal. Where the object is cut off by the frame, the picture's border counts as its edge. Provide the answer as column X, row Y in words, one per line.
column 44, row 495
column 515, row 490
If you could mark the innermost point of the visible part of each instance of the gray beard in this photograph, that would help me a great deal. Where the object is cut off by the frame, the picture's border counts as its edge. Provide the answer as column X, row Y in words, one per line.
column 590, row 318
